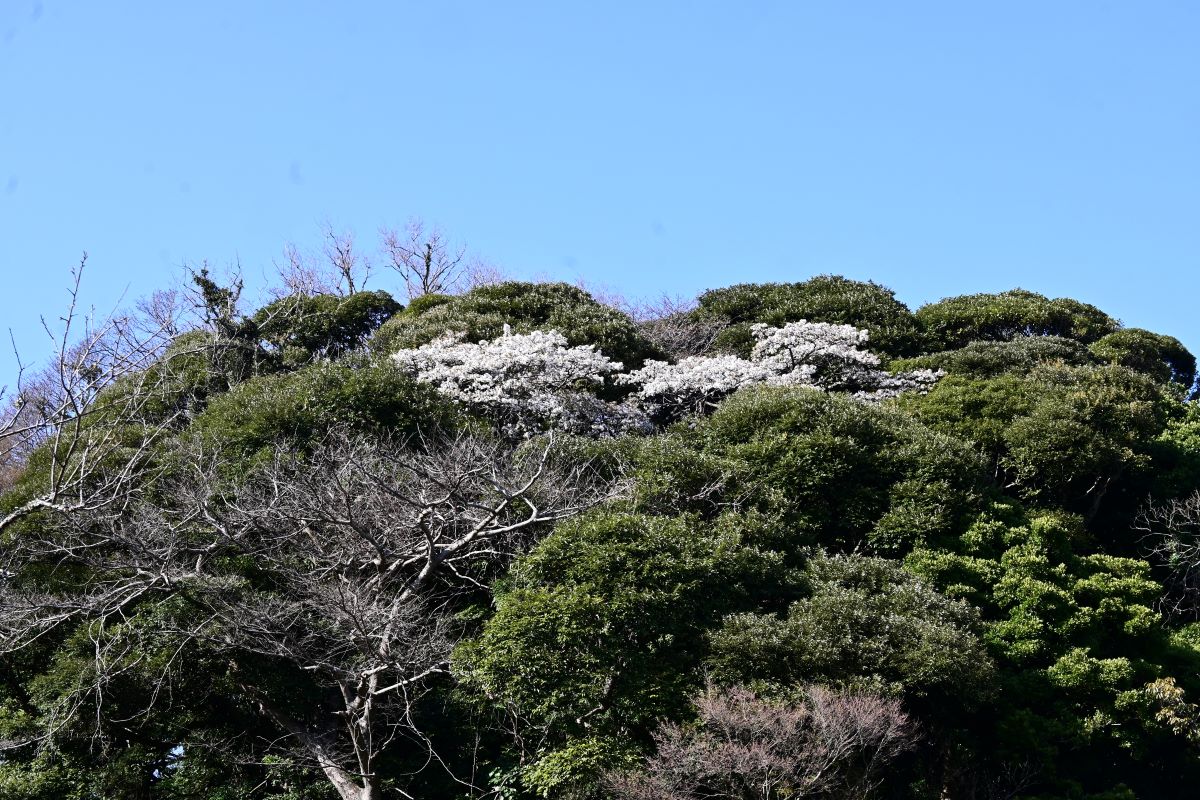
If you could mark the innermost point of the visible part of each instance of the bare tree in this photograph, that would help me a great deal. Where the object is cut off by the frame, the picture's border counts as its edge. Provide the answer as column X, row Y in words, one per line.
column 352, row 269
column 340, row 268
column 669, row 322
column 369, row 549
column 748, row 748
column 479, row 272
column 99, row 371
column 424, row 259
column 301, row 276
column 1171, row 535
column 1007, row 780
column 672, row 324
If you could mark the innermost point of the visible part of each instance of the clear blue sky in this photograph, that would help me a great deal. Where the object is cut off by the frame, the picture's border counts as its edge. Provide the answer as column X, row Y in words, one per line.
column 936, row 147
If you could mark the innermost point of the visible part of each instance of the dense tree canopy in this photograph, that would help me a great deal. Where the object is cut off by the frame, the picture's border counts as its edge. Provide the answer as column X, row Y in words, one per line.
column 483, row 312
column 793, row 541
column 958, row 321
column 826, row 298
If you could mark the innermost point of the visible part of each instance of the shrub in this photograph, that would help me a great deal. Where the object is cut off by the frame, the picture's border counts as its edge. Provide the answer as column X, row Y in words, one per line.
column 988, row 359
column 324, row 324
column 483, row 312
column 1163, row 358
column 826, row 298
column 958, row 321
column 867, row 623
column 298, row 408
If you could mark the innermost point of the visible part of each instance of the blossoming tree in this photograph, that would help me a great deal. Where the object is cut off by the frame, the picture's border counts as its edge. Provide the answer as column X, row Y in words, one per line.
column 526, row 382
column 817, row 354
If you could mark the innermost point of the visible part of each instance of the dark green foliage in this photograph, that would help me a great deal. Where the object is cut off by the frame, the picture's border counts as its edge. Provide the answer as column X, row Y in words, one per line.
column 1163, row 358
column 1175, row 453
column 831, row 470
column 482, row 314
column 133, row 751
column 957, row 321
column 606, row 619
column 296, row 409
column 825, row 298
column 601, row 629
column 969, row 551
column 219, row 305
column 864, row 623
column 302, row 326
column 1058, row 434
column 989, row 359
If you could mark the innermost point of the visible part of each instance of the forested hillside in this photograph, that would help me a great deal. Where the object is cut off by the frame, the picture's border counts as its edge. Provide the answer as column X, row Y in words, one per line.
column 790, row 540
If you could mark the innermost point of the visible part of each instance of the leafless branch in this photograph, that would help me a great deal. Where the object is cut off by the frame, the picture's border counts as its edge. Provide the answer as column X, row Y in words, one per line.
column 1171, row 535
column 371, row 549
column 670, row 324
column 829, row 745
column 424, row 259
column 99, row 373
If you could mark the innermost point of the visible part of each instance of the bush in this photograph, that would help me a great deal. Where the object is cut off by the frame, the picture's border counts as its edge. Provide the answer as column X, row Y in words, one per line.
column 604, row 622
column 298, row 408
column 826, row 298
column 957, row 321
column 324, row 324
column 836, row 471
column 1057, row 435
column 989, row 359
column 483, row 312
column 866, row 624
column 1163, row 358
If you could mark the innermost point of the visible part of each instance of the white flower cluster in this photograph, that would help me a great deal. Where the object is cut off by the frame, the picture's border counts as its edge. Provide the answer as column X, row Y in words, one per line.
column 697, row 382
column 535, row 381
column 810, row 344
column 886, row 385
column 528, row 382
column 817, row 354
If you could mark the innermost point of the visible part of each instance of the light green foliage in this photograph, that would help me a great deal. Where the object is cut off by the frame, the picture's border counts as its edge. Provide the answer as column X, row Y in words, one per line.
column 482, row 313
column 1163, row 358
column 958, row 321
column 1187, row 639
column 571, row 771
column 866, row 623
column 825, row 298
column 419, row 305
column 1074, row 634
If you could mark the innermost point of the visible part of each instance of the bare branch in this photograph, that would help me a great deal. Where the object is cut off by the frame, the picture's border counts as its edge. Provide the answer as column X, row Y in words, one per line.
column 828, row 745
column 89, row 409
column 424, row 259
column 371, row 548
column 1171, row 536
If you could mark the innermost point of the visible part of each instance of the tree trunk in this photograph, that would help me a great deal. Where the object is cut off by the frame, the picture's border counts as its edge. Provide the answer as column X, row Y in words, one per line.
column 346, row 784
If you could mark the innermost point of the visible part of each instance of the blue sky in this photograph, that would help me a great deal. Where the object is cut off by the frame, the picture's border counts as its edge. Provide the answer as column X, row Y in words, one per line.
column 939, row 148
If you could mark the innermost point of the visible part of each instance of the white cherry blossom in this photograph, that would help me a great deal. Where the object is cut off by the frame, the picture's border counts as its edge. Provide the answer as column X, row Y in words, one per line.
column 527, row 382
column 817, row 354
